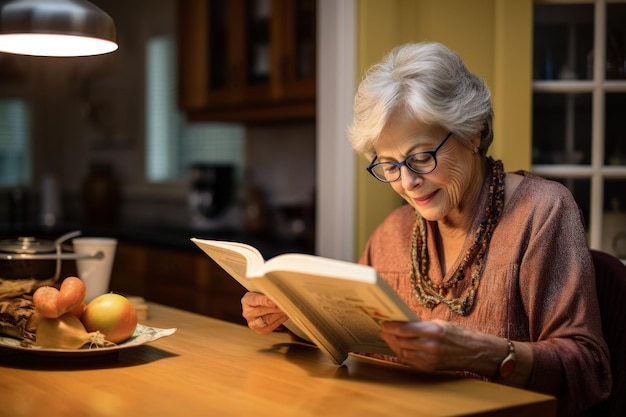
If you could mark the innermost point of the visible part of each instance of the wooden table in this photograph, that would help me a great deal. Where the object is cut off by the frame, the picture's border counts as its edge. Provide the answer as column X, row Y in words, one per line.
column 215, row 368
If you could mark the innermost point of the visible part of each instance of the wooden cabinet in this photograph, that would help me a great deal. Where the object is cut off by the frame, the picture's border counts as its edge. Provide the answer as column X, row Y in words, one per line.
column 129, row 270
column 177, row 278
column 247, row 60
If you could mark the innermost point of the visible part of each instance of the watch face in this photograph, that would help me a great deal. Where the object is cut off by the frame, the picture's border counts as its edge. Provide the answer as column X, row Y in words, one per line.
column 507, row 366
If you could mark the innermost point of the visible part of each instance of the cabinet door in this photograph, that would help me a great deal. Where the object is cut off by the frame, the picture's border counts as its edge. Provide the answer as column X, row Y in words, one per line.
column 280, row 45
column 294, row 22
column 219, row 294
column 171, row 278
column 212, row 60
column 247, row 60
column 238, row 38
column 129, row 269
column 193, row 54
column 192, row 281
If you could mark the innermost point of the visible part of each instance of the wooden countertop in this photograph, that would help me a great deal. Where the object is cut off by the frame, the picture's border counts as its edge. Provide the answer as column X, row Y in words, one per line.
column 215, row 368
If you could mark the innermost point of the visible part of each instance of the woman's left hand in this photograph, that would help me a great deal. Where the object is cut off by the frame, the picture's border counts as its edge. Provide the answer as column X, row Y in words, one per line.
column 432, row 346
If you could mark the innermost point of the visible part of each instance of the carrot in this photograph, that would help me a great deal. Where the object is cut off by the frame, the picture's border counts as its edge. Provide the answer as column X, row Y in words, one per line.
column 45, row 301
column 71, row 295
column 78, row 310
column 53, row 303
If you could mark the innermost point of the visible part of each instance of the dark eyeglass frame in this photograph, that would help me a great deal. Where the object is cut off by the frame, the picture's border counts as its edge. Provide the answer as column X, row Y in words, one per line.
column 399, row 165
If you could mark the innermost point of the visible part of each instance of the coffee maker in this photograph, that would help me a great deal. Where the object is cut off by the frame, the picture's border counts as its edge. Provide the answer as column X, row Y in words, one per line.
column 211, row 194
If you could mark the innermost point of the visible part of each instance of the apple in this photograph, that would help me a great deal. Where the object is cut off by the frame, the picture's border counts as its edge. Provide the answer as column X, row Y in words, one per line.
column 111, row 314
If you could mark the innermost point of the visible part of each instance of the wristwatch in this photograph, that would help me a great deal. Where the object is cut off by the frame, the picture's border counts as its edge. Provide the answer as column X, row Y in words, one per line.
column 507, row 366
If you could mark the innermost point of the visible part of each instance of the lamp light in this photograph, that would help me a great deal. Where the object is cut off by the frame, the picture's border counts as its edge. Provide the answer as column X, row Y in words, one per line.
column 59, row 28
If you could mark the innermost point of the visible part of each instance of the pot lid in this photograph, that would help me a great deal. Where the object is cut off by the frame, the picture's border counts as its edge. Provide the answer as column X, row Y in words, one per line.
column 26, row 244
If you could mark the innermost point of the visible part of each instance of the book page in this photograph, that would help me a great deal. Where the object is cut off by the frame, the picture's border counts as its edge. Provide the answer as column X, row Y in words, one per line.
column 311, row 322
column 235, row 258
column 238, row 259
column 344, row 303
column 324, row 267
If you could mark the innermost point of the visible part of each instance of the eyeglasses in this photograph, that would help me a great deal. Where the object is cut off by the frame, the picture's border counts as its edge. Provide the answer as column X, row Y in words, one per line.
column 418, row 162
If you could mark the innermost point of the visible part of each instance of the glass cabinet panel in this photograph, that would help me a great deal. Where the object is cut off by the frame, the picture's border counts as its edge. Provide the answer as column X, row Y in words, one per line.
column 563, row 41
column 305, row 33
column 218, row 49
column 614, row 220
column 562, row 128
column 579, row 123
column 247, row 60
column 616, row 41
column 615, row 130
column 259, row 40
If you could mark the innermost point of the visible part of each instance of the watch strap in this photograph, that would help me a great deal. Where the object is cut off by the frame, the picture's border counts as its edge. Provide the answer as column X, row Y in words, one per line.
column 507, row 366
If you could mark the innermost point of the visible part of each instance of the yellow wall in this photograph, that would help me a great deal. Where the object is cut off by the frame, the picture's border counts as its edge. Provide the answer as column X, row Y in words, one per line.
column 495, row 39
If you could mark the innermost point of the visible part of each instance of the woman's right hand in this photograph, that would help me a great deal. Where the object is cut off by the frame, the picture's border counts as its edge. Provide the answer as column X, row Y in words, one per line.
column 262, row 315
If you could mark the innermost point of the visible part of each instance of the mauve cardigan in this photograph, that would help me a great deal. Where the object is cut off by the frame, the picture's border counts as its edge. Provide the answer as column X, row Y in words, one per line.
column 537, row 286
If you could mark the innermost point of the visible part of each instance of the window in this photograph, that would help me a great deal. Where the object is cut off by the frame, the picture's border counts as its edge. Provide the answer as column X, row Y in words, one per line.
column 579, row 100
column 15, row 162
column 172, row 146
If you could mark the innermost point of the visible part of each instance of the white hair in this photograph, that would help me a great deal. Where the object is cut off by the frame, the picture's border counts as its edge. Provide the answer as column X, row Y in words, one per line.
column 429, row 82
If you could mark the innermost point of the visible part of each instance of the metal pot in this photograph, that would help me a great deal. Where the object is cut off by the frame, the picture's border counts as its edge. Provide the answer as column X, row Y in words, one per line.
column 15, row 268
column 26, row 257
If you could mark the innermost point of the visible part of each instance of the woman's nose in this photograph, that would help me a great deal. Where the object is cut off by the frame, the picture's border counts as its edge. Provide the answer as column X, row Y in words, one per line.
column 409, row 179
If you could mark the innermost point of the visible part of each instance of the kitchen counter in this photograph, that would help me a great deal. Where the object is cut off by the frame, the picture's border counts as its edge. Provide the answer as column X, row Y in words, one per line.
column 214, row 368
column 161, row 264
column 168, row 236
column 268, row 245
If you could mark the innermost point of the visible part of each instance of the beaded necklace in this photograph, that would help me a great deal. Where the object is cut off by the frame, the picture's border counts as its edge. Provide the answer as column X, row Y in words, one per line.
column 430, row 294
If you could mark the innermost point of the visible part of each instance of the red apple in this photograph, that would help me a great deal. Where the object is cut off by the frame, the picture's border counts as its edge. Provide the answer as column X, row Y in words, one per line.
column 112, row 315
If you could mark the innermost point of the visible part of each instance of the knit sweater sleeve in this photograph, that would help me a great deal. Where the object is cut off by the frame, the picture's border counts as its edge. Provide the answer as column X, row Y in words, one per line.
column 557, row 288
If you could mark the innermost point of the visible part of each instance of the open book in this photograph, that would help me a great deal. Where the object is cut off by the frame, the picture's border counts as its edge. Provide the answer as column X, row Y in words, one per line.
column 335, row 304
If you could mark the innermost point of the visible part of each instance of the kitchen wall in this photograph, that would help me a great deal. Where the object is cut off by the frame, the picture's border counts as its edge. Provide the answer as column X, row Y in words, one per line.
column 91, row 109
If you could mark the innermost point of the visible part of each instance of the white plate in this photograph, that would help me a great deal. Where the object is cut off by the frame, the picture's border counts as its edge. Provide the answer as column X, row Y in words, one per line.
column 143, row 334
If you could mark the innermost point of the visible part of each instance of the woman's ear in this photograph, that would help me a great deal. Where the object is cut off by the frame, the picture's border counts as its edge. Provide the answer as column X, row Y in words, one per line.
column 475, row 145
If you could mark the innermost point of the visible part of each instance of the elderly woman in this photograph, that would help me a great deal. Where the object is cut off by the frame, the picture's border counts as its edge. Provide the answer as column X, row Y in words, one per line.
column 494, row 263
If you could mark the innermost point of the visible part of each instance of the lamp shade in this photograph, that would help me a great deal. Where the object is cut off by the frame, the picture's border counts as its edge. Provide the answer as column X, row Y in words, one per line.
column 55, row 28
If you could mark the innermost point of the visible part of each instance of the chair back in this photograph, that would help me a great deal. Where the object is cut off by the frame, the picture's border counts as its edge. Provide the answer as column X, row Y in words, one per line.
column 611, row 288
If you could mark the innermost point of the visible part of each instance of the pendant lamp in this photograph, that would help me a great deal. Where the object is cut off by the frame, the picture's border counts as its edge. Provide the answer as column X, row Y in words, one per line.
column 55, row 28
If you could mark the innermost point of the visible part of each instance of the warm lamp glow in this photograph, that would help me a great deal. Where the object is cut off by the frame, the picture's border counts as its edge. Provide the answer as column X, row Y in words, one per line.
column 55, row 28
column 55, row 45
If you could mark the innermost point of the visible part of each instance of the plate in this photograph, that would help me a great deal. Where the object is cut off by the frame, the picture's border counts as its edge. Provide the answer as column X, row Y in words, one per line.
column 142, row 335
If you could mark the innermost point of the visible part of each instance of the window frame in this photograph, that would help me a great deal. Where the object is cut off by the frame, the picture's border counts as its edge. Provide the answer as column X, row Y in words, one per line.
column 597, row 172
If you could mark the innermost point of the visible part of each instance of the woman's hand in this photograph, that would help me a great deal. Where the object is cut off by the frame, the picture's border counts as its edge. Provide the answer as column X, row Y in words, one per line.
column 433, row 346
column 424, row 345
column 262, row 314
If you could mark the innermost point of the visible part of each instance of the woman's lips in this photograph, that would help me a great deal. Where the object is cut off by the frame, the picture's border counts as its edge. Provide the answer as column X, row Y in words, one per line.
column 422, row 201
